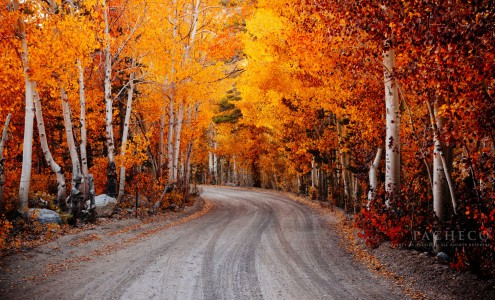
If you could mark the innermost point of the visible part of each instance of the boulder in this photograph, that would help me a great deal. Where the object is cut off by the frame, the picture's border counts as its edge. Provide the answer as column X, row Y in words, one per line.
column 43, row 216
column 105, row 205
column 443, row 257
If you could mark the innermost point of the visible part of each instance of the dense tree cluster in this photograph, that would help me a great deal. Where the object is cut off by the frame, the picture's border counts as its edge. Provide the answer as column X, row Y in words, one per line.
column 383, row 108
column 331, row 85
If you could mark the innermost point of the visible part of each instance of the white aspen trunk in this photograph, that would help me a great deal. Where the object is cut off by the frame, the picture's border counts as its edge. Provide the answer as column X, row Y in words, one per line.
column 2, row 145
column 450, row 182
column 162, row 153
column 441, row 154
column 221, row 171
column 355, row 191
column 85, row 180
column 210, row 165
column 62, row 186
column 110, row 143
column 161, row 144
column 193, row 115
column 298, row 178
column 76, row 196
column 187, row 171
column 27, row 148
column 108, row 92
column 4, row 134
column 177, row 137
column 125, row 134
column 313, row 173
column 82, row 121
column 170, row 138
column 348, row 177
column 235, row 171
column 76, row 167
column 180, row 113
column 343, row 162
column 439, row 180
column 194, row 28
column 171, row 107
column 441, row 170
column 373, row 174
column 392, row 141
column 215, row 163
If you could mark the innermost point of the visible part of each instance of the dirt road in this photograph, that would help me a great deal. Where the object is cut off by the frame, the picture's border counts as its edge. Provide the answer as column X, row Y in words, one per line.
column 251, row 245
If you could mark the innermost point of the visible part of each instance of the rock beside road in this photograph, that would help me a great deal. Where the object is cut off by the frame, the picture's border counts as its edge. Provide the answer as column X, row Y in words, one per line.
column 105, row 205
column 43, row 216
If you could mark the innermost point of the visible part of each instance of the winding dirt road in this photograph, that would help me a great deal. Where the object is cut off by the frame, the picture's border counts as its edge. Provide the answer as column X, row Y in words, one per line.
column 251, row 245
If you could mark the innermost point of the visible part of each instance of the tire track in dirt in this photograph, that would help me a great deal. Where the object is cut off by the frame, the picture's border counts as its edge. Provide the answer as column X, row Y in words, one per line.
column 253, row 244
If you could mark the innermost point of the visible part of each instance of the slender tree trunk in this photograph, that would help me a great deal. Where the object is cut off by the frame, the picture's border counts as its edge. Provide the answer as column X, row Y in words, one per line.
column 2, row 145
column 171, row 105
column 441, row 165
column 187, row 172
column 177, row 136
column 313, row 173
column 126, row 131
column 82, row 120
column 162, row 152
column 111, row 186
column 210, row 166
column 27, row 150
column 192, row 115
column 161, row 144
column 77, row 189
column 439, row 184
column 62, row 186
column 215, row 163
column 170, row 138
column 392, row 142
column 236, row 177
column 374, row 177
column 194, row 28
column 180, row 113
column 343, row 163
column 76, row 167
column 87, row 185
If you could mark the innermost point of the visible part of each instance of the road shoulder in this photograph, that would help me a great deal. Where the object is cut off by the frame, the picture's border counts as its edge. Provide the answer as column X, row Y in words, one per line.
column 70, row 251
column 419, row 275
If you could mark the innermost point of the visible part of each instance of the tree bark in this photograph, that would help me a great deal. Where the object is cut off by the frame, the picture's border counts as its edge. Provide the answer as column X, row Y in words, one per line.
column 177, row 137
column 392, row 146
column 2, row 160
column 215, row 163
column 61, row 184
column 236, row 177
column 313, row 173
column 170, row 138
column 187, row 171
column 82, row 120
column 76, row 166
column 344, row 162
column 111, row 186
column 442, row 164
column 27, row 149
column 210, row 167
column 374, row 177
column 126, row 131
column 161, row 144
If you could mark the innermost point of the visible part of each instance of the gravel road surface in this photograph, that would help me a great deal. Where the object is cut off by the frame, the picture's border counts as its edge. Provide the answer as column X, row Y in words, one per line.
column 253, row 244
